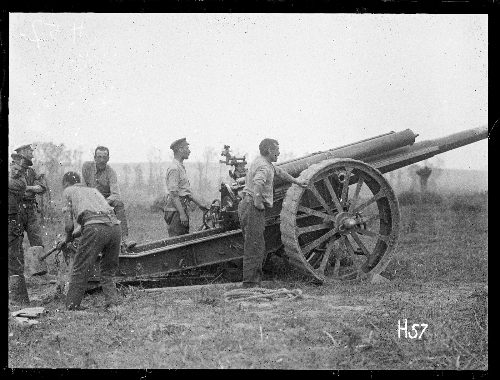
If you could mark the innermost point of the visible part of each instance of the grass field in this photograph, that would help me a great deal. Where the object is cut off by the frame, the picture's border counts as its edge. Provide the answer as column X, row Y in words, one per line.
column 438, row 278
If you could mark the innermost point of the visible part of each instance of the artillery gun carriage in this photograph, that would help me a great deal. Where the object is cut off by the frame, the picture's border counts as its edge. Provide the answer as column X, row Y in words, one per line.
column 343, row 226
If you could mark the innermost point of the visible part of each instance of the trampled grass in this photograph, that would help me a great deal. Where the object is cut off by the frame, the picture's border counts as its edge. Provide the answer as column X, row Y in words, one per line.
column 438, row 278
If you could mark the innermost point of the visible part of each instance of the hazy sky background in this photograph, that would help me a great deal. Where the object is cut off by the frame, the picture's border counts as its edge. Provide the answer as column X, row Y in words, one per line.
column 134, row 82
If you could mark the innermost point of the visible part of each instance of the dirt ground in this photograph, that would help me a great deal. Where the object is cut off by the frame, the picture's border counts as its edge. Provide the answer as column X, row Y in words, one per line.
column 355, row 326
column 438, row 290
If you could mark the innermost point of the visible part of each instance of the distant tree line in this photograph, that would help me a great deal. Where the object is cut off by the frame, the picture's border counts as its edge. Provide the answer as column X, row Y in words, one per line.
column 52, row 161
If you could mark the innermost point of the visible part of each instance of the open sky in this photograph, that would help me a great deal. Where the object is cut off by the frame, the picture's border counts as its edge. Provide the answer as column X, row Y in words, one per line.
column 136, row 82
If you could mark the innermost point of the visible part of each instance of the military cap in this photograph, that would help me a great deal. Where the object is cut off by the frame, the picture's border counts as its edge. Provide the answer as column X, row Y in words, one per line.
column 21, row 160
column 22, row 147
column 177, row 143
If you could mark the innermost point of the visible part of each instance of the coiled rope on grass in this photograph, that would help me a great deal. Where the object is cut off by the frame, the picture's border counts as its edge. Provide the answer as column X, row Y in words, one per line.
column 261, row 294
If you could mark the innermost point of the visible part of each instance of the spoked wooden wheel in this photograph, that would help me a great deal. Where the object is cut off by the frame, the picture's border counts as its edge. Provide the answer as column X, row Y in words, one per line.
column 345, row 225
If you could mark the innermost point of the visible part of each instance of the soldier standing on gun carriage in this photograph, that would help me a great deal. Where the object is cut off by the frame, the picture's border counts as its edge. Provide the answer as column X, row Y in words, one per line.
column 179, row 191
column 100, row 175
column 35, row 184
column 17, row 187
column 100, row 233
column 256, row 196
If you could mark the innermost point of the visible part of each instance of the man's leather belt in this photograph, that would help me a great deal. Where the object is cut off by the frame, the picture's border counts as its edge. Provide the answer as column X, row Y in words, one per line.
column 101, row 215
column 185, row 200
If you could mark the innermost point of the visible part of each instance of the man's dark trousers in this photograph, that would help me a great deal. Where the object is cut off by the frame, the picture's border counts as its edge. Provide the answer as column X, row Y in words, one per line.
column 28, row 219
column 253, row 222
column 15, row 252
column 174, row 225
column 119, row 209
column 96, row 238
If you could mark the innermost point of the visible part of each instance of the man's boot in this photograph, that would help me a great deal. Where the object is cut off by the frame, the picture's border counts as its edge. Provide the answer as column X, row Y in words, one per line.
column 17, row 289
column 111, row 296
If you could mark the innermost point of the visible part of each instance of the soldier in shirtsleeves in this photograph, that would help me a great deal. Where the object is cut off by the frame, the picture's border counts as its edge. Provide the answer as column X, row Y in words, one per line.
column 100, row 234
column 28, row 213
column 257, row 195
column 179, row 191
column 100, row 175
column 18, row 292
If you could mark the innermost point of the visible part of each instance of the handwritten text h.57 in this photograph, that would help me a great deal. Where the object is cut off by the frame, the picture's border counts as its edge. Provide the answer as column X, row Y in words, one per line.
column 412, row 333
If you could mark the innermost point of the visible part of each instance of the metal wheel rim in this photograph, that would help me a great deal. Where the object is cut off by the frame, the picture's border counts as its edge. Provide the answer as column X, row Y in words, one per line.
column 330, row 226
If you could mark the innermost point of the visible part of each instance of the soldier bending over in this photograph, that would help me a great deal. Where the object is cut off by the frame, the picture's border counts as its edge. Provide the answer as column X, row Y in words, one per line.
column 100, row 233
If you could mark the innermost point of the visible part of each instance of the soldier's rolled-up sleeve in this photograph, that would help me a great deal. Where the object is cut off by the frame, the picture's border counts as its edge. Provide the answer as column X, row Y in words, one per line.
column 280, row 172
column 68, row 210
column 173, row 177
column 66, row 200
column 261, row 175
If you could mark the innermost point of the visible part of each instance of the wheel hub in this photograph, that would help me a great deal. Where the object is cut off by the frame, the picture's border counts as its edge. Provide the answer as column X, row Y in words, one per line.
column 345, row 221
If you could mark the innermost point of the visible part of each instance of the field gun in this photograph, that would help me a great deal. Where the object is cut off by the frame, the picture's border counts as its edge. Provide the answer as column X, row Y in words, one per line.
column 344, row 226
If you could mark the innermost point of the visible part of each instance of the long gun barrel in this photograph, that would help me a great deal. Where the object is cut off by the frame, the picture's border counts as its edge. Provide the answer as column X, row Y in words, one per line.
column 361, row 150
column 387, row 152
column 392, row 160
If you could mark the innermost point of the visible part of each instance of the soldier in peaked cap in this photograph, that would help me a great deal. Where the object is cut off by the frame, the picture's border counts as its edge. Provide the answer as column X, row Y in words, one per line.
column 177, row 143
column 179, row 191
column 17, row 186
column 35, row 185
column 21, row 161
column 23, row 147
